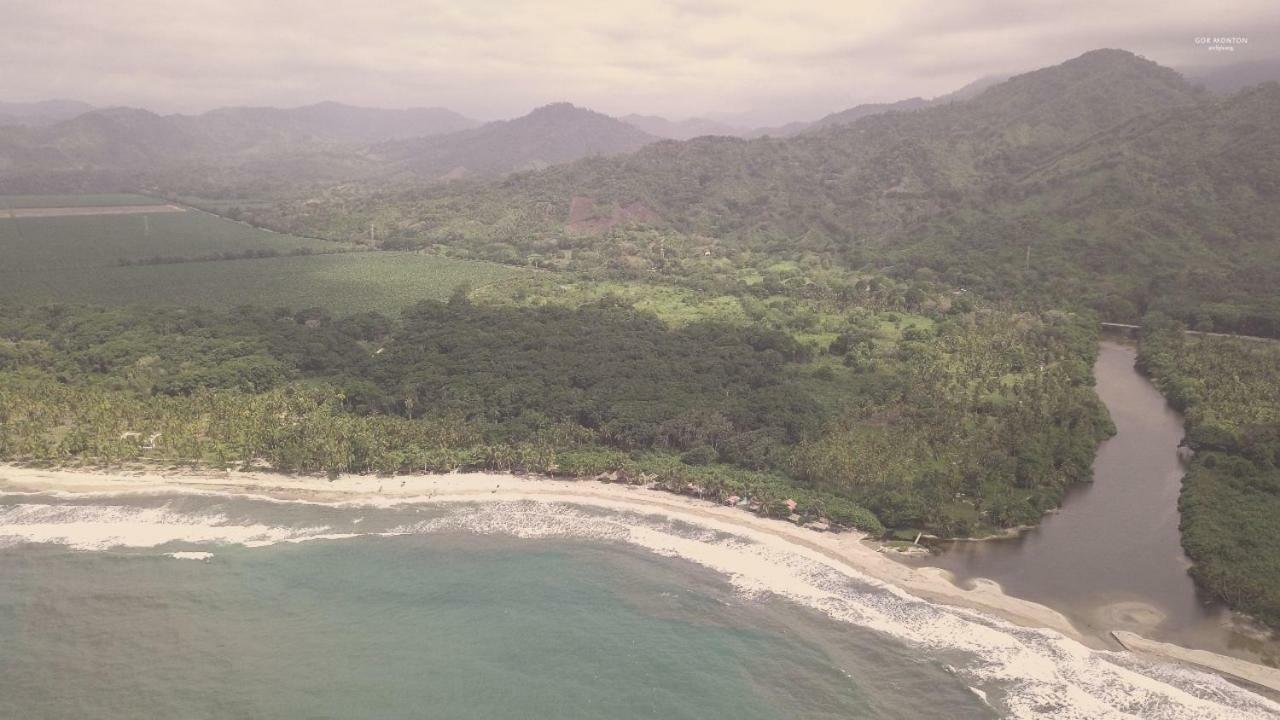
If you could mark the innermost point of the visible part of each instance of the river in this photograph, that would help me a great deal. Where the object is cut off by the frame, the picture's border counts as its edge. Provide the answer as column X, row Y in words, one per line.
column 1110, row 558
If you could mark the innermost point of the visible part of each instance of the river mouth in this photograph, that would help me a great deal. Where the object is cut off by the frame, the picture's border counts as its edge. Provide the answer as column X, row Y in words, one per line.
column 1111, row 558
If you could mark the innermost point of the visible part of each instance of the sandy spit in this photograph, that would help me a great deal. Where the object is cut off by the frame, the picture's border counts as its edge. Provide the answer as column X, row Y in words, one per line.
column 1257, row 674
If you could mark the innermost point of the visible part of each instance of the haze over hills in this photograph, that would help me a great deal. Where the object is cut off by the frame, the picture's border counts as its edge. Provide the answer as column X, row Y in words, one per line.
column 317, row 143
column 1225, row 79
column 857, row 112
column 1087, row 162
column 860, row 111
column 44, row 112
column 1092, row 165
column 129, row 142
column 336, row 122
column 683, row 129
column 549, row 135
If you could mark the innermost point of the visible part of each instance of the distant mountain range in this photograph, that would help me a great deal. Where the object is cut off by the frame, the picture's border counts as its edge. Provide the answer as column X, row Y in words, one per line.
column 698, row 127
column 68, row 145
column 549, row 135
column 45, row 112
column 1225, row 79
column 118, row 147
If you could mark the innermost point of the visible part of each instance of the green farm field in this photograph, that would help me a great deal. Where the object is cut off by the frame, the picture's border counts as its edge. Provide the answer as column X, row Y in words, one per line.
column 132, row 258
column 93, row 200
column 343, row 283
column 85, row 241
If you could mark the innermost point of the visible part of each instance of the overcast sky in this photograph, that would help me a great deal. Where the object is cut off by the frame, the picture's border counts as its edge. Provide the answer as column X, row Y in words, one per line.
column 779, row 60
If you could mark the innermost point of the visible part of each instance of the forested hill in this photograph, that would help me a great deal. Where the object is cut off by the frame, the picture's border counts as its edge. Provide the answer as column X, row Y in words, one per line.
column 1176, row 212
column 556, row 133
column 1108, row 180
column 129, row 148
column 246, row 149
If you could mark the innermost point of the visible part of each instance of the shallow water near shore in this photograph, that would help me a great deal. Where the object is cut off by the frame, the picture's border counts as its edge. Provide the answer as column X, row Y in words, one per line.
column 446, row 624
column 205, row 604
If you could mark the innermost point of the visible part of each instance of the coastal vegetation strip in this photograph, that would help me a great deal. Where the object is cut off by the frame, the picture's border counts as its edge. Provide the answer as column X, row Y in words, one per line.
column 1229, row 390
column 971, row 421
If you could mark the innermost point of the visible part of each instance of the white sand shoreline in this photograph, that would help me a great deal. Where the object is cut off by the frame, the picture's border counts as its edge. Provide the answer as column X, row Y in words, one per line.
column 843, row 551
column 847, row 547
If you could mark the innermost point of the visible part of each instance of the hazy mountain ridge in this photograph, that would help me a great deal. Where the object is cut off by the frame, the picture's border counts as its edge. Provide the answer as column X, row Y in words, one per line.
column 327, row 142
column 336, row 122
column 1230, row 78
column 857, row 112
column 550, row 135
column 683, row 129
column 128, row 142
column 43, row 112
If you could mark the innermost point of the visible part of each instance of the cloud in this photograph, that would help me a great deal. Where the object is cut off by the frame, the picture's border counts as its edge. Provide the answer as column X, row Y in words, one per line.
column 497, row 58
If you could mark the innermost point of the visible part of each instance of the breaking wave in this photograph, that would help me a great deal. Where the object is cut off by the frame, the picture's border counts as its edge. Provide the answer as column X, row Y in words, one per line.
column 1024, row 673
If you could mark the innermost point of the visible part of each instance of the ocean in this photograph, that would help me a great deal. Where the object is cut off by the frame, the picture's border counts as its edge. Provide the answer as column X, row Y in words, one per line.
column 205, row 605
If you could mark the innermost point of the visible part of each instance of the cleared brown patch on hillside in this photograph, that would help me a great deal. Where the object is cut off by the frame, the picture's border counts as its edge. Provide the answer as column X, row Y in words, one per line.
column 588, row 218
column 103, row 210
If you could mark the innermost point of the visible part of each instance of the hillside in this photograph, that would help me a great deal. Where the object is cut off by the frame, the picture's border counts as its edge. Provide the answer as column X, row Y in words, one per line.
column 1176, row 212
column 858, row 112
column 44, row 112
column 549, row 135
column 1233, row 77
column 1134, row 190
column 125, row 148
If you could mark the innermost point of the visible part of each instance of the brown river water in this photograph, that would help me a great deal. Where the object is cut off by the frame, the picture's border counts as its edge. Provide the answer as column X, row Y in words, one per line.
column 1110, row 558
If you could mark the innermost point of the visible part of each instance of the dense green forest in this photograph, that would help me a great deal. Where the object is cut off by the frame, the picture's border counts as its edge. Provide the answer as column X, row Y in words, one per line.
column 1230, row 503
column 956, row 421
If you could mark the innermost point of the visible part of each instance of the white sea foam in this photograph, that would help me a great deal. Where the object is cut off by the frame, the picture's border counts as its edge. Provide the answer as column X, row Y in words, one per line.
column 1026, row 673
column 99, row 527
column 1041, row 673
column 190, row 555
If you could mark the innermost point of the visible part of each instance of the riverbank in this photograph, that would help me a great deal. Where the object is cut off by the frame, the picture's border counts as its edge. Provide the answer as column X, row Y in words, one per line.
column 1110, row 557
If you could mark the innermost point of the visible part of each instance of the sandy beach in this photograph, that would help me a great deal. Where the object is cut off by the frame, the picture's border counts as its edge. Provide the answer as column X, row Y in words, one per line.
column 845, row 548
column 845, row 552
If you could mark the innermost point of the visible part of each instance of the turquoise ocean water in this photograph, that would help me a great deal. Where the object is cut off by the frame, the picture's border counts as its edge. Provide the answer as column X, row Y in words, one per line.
column 200, row 606
column 437, row 625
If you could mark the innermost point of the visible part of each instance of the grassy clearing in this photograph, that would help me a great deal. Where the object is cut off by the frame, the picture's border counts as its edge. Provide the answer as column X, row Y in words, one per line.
column 354, row 282
column 677, row 306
